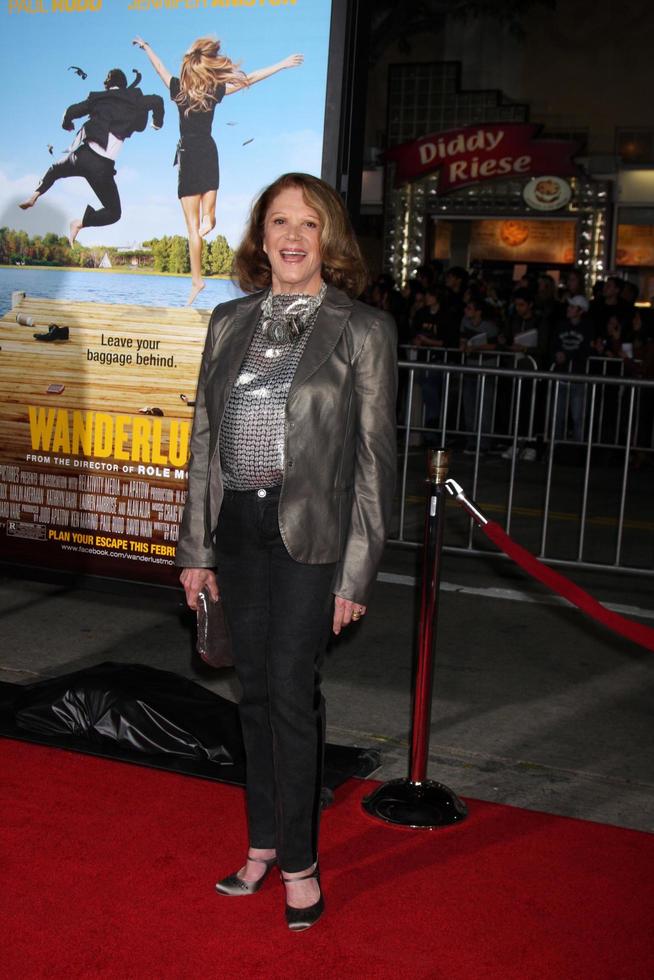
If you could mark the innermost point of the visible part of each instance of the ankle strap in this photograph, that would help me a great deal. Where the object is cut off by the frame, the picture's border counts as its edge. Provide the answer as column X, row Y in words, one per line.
column 267, row 861
column 312, row 874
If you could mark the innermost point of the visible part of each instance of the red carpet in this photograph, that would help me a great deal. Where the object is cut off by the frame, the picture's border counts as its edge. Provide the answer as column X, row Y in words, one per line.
column 109, row 869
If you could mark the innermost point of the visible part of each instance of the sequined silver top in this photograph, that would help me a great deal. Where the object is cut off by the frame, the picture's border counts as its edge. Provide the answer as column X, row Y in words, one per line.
column 252, row 452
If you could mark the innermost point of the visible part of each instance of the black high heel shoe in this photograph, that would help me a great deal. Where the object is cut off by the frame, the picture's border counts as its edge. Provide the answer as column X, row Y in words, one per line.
column 235, row 887
column 298, row 919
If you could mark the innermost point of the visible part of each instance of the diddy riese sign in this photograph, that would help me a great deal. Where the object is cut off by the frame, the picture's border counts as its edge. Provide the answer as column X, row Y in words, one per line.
column 484, row 152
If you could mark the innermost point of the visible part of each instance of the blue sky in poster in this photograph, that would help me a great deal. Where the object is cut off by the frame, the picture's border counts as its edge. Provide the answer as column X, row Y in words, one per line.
column 281, row 116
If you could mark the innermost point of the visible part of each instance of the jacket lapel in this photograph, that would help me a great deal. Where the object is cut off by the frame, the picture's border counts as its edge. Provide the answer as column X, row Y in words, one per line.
column 332, row 316
column 233, row 342
column 227, row 356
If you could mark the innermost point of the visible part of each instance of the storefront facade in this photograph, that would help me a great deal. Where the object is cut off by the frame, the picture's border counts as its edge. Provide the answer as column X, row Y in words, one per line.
column 469, row 180
column 492, row 225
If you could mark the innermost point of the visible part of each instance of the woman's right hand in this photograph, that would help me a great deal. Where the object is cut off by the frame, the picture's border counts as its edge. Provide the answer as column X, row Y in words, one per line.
column 139, row 42
column 197, row 580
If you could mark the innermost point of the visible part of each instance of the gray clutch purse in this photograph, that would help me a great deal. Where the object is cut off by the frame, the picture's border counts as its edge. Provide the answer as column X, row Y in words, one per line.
column 213, row 642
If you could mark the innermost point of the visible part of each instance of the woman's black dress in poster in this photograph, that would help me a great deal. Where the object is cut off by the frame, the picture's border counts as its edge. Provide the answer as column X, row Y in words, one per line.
column 197, row 154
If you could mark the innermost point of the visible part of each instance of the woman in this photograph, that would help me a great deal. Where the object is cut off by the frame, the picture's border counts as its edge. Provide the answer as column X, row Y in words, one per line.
column 291, row 477
column 205, row 78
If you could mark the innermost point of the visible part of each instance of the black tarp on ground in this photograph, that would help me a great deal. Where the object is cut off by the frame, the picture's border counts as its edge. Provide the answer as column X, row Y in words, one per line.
column 150, row 717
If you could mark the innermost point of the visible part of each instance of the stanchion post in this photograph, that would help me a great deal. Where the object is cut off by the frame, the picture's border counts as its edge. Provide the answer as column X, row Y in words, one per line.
column 418, row 801
column 431, row 572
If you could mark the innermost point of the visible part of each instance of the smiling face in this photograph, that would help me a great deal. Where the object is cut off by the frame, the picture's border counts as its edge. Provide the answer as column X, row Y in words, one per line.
column 291, row 240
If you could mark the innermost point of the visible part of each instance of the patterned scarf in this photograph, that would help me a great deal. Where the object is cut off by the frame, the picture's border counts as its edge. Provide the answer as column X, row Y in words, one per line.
column 286, row 316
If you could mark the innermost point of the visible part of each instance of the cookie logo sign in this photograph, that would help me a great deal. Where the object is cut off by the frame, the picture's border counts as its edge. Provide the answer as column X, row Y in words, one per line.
column 514, row 233
column 547, row 193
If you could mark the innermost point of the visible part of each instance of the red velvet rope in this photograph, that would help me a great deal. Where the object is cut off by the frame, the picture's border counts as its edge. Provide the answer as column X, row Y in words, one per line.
column 643, row 635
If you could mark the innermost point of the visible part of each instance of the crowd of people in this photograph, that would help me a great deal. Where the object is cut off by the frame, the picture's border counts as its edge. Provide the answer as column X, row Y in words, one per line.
column 546, row 324
column 450, row 309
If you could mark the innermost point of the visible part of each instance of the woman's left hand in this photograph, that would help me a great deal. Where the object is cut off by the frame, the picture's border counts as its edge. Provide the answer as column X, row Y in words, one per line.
column 346, row 612
column 139, row 42
column 293, row 61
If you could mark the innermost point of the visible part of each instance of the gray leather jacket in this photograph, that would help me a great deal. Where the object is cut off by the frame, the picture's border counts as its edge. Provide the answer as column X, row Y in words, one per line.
column 338, row 485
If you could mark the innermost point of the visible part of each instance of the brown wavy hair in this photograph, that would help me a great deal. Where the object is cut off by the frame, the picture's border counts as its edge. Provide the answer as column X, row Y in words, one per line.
column 203, row 69
column 342, row 262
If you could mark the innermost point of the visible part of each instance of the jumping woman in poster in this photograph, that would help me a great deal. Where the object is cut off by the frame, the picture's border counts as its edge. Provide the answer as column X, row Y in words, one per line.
column 205, row 78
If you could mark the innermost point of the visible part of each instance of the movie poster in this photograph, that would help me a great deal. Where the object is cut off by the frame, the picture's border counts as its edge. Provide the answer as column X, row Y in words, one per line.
column 120, row 212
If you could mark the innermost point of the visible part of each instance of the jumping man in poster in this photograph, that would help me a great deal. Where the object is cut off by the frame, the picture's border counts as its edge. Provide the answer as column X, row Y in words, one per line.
column 205, row 78
column 114, row 114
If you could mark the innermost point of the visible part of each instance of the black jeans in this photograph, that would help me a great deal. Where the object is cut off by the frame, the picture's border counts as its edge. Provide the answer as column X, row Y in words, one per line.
column 279, row 613
column 99, row 172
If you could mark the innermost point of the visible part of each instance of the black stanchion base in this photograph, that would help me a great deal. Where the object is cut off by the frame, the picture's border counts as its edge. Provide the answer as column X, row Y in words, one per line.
column 427, row 804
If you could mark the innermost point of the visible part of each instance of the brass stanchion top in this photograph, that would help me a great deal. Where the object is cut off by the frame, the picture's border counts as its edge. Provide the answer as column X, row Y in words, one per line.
column 439, row 465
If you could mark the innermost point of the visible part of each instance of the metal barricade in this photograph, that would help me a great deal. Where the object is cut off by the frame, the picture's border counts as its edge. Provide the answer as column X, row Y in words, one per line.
column 502, row 420
column 462, row 399
column 610, row 421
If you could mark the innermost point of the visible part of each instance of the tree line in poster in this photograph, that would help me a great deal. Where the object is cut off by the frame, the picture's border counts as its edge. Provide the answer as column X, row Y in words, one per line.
column 167, row 254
